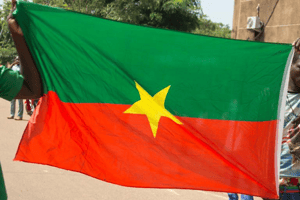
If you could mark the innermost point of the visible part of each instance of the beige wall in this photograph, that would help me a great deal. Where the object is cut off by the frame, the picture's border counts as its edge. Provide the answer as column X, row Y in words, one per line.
column 283, row 27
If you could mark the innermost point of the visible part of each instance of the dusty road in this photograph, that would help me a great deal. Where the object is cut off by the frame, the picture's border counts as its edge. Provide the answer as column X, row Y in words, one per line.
column 25, row 181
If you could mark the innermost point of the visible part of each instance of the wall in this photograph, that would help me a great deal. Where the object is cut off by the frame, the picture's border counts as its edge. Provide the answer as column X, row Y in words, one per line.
column 283, row 26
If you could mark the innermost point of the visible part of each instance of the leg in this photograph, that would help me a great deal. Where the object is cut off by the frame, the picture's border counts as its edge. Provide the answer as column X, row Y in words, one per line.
column 295, row 196
column 28, row 107
column 12, row 108
column 233, row 196
column 35, row 102
column 246, row 197
column 20, row 112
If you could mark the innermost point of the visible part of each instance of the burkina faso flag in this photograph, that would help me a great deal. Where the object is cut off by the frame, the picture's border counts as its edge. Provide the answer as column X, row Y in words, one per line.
column 153, row 108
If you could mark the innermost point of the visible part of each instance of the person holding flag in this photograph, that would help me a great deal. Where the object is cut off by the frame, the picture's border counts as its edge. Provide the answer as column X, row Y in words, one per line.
column 24, row 85
column 28, row 85
column 14, row 85
column 290, row 154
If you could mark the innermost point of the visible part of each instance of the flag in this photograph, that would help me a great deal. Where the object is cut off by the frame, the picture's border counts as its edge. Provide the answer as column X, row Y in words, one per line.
column 3, row 195
column 145, row 107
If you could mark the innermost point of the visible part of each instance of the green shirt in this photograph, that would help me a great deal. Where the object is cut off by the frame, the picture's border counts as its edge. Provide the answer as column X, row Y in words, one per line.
column 10, row 83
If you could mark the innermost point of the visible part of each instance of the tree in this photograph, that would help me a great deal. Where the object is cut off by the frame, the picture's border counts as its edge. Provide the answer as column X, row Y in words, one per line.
column 181, row 15
column 207, row 27
column 8, row 51
column 178, row 15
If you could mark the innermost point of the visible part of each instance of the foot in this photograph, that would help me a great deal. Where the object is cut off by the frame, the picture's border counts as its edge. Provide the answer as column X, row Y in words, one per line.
column 11, row 117
column 18, row 118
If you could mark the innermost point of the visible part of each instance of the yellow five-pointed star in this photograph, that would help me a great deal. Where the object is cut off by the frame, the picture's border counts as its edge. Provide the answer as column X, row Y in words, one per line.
column 152, row 107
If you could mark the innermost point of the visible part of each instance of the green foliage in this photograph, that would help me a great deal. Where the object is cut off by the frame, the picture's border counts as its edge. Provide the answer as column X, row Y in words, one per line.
column 181, row 15
column 8, row 50
column 207, row 27
column 169, row 14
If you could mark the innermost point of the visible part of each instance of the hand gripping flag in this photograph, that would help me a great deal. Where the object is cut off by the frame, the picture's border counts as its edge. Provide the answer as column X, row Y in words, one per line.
column 152, row 108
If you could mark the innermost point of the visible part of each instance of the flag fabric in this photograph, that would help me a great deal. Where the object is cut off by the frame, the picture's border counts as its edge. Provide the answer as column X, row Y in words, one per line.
column 152, row 108
column 3, row 195
column 289, row 189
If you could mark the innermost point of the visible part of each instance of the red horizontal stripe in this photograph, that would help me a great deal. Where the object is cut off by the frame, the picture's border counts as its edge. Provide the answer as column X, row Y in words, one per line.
column 103, row 142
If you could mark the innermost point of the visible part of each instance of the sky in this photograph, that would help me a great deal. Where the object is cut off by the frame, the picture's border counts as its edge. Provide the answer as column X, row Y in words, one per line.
column 216, row 10
column 219, row 10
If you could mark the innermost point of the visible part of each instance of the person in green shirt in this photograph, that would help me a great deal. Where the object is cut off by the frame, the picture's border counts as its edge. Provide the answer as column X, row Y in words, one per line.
column 24, row 85
column 15, row 85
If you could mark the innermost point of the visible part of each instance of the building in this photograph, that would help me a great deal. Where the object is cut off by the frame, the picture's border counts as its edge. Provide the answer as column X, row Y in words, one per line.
column 281, row 19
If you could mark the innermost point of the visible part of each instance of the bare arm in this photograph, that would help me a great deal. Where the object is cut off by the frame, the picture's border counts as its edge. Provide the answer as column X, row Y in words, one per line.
column 32, row 85
column 8, row 65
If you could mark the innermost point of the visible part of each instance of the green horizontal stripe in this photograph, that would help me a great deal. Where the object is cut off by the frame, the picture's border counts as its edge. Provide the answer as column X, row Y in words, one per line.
column 85, row 59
